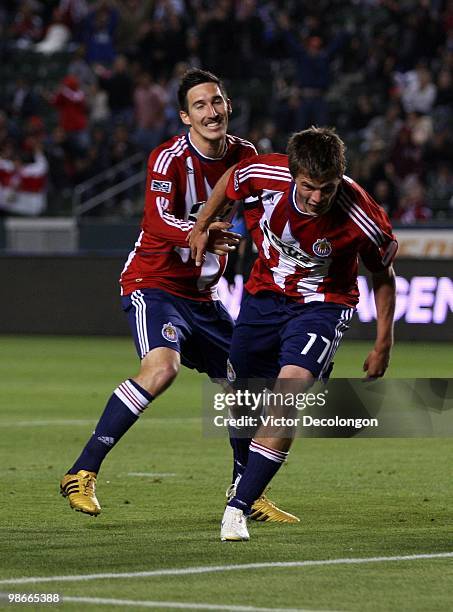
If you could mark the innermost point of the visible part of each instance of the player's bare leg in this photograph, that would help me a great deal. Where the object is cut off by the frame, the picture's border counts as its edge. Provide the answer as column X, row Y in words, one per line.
column 158, row 369
column 268, row 451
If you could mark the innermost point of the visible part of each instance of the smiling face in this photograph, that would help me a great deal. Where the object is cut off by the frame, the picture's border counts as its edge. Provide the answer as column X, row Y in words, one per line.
column 314, row 196
column 207, row 114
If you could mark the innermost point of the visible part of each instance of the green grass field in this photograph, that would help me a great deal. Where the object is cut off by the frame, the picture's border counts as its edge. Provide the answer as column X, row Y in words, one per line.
column 357, row 498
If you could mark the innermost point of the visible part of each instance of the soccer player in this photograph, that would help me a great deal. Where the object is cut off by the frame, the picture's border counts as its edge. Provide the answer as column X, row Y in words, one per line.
column 310, row 224
column 171, row 304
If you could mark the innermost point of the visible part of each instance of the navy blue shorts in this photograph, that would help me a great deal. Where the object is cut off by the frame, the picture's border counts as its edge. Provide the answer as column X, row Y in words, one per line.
column 272, row 331
column 200, row 331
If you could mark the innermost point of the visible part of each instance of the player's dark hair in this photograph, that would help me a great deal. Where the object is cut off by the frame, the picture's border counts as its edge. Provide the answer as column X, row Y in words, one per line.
column 317, row 152
column 193, row 77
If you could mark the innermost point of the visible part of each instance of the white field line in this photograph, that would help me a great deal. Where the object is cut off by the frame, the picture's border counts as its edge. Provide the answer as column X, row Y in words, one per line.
column 178, row 605
column 152, row 474
column 208, row 569
column 46, row 422
column 74, row 422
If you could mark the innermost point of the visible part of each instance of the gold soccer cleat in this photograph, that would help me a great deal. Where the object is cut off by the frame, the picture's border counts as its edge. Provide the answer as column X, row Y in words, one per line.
column 265, row 510
column 80, row 488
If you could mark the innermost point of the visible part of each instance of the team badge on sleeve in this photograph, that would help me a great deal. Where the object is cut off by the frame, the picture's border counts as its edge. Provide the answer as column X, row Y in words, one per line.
column 164, row 186
column 169, row 332
column 322, row 247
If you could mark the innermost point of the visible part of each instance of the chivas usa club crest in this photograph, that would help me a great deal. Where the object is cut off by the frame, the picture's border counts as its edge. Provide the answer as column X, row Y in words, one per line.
column 169, row 332
column 322, row 247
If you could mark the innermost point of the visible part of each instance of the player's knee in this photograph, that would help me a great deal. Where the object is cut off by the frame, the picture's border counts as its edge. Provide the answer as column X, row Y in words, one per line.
column 156, row 375
column 301, row 376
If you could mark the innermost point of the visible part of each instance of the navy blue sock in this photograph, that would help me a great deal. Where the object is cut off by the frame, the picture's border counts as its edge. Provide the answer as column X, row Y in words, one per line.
column 240, row 448
column 122, row 410
column 263, row 464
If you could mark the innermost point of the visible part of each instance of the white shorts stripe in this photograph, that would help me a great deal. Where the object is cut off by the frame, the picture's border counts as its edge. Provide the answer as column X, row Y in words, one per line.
column 340, row 328
column 140, row 321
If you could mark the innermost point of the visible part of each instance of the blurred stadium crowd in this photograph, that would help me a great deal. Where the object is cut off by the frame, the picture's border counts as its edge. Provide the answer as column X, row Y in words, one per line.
column 86, row 85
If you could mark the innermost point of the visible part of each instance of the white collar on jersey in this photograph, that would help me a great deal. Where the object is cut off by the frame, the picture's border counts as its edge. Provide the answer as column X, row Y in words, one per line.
column 198, row 152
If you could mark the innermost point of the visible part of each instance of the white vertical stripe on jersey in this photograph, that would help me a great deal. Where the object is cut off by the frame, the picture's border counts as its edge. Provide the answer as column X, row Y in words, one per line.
column 340, row 328
column 285, row 266
column 269, row 201
column 362, row 221
column 131, row 256
column 317, row 270
column 208, row 271
column 140, row 321
column 365, row 218
column 191, row 197
column 158, row 163
column 164, row 158
column 265, row 245
column 169, row 159
column 183, row 252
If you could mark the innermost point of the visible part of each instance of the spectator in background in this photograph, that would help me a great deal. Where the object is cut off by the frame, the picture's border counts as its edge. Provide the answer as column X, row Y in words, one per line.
column 61, row 156
column 250, row 36
column 219, row 39
column 99, row 105
column 312, row 61
column 418, row 92
column 71, row 104
column 364, row 111
column 406, row 157
column 99, row 34
column 73, row 15
column 24, row 101
column 57, row 35
column 440, row 188
column 163, row 46
column 134, row 23
column 80, row 68
column 150, row 100
column 193, row 53
column 27, row 27
column 384, row 128
column 5, row 135
column 443, row 106
column 23, row 181
column 119, row 87
column 385, row 193
column 412, row 205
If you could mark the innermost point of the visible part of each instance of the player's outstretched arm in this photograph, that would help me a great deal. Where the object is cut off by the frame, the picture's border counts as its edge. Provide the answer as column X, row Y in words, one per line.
column 199, row 236
column 220, row 240
column 384, row 296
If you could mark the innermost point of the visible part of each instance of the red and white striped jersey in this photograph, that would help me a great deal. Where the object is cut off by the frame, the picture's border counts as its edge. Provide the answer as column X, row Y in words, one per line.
column 23, row 189
column 309, row 258
column 179, row 178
